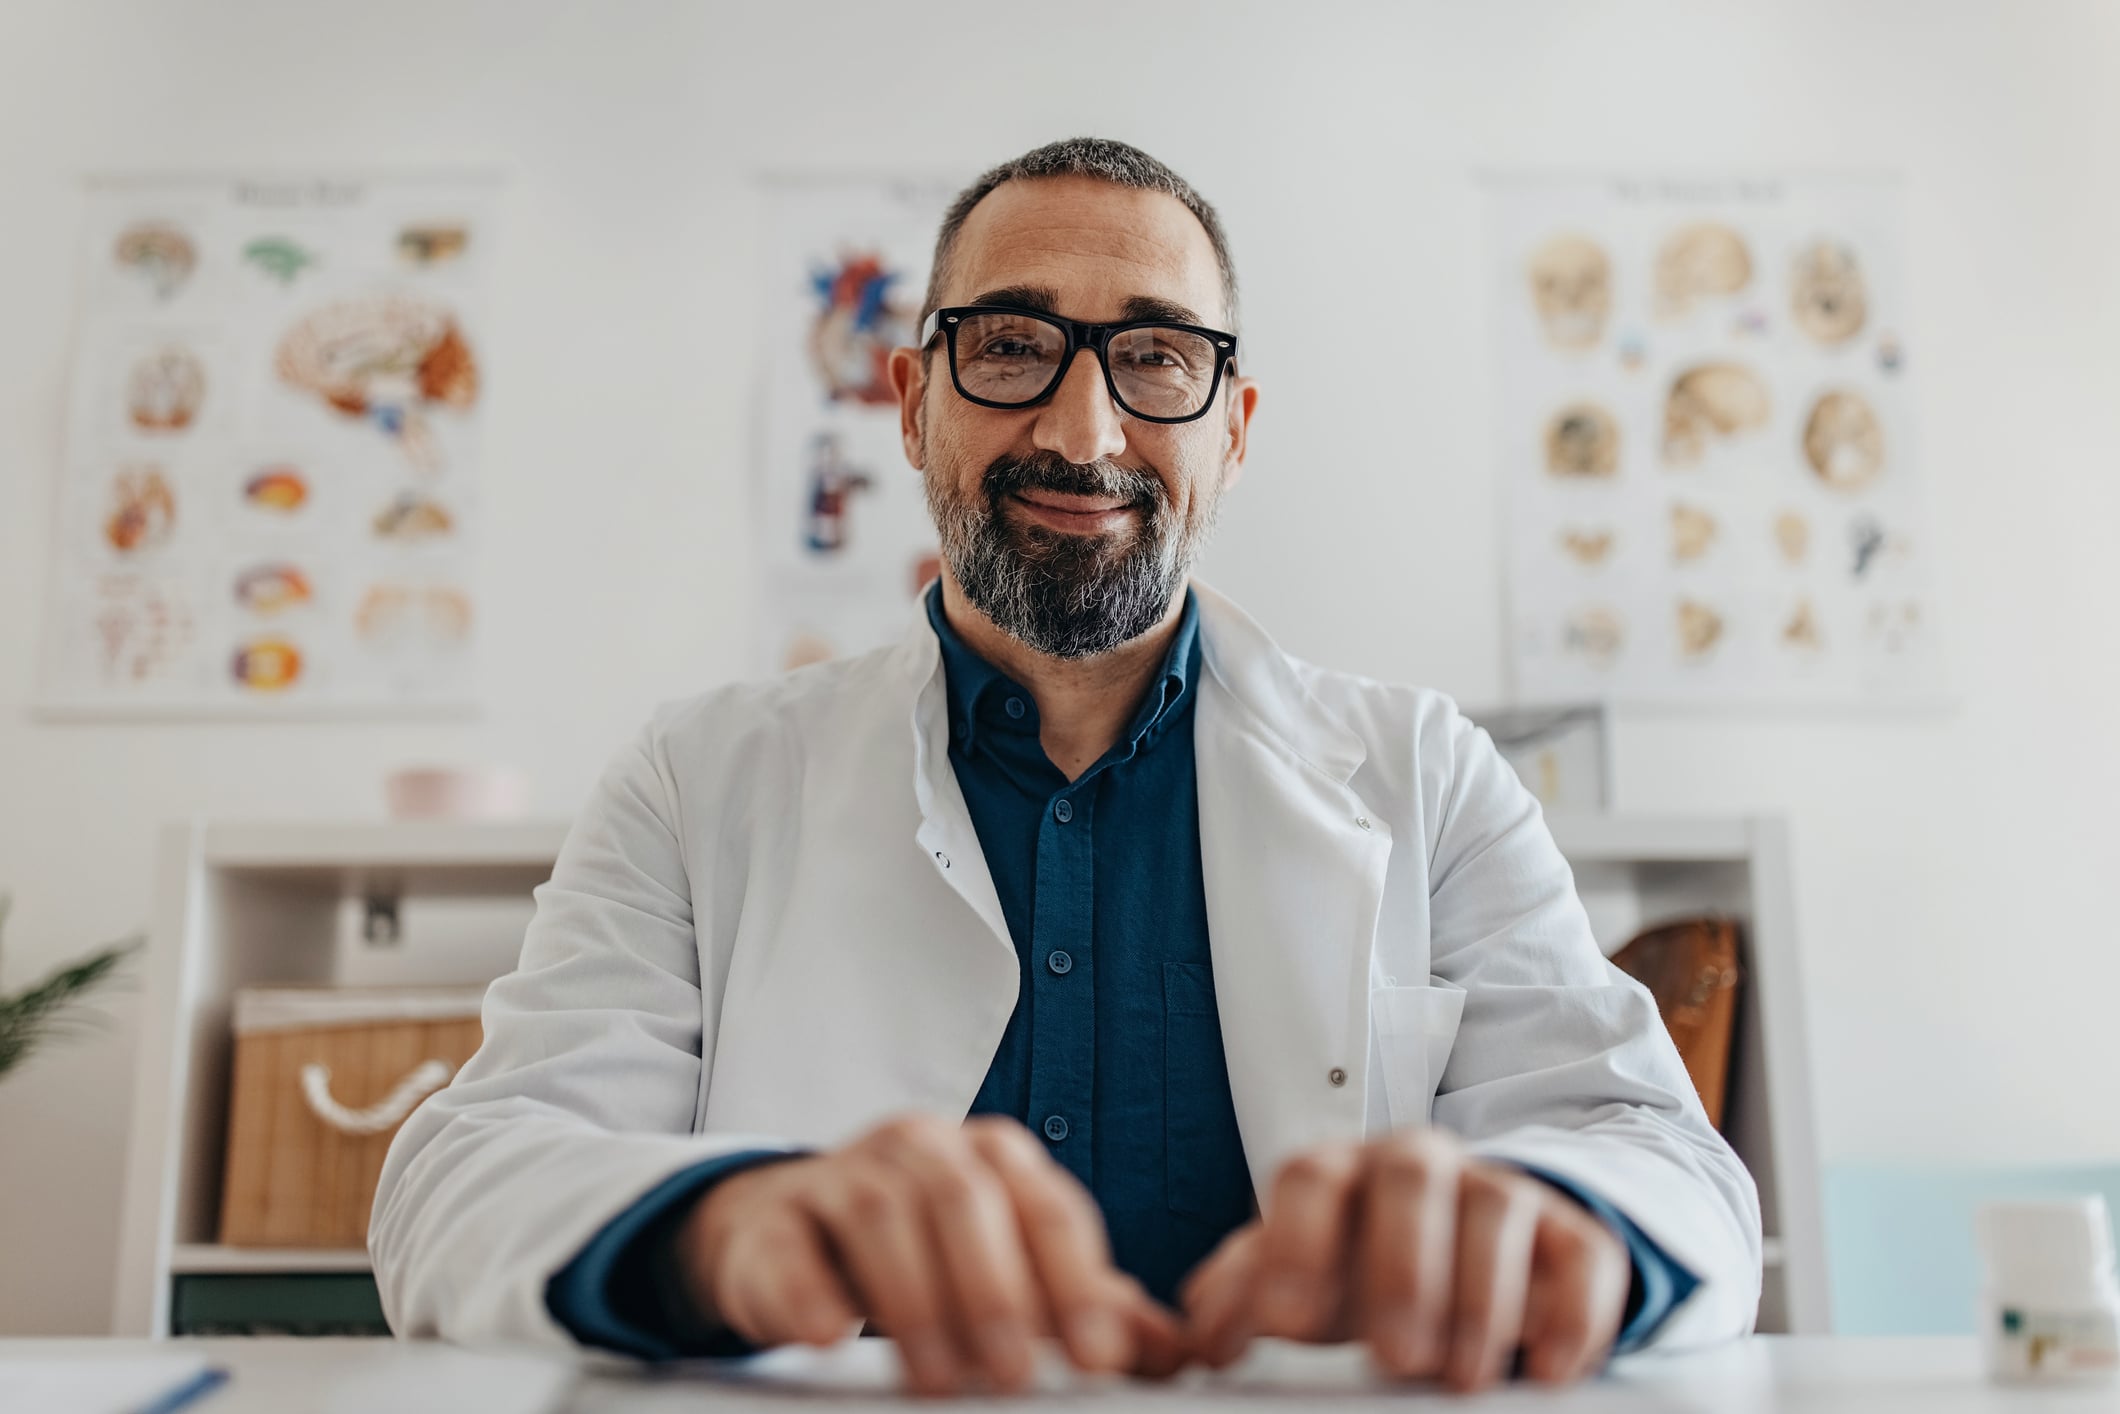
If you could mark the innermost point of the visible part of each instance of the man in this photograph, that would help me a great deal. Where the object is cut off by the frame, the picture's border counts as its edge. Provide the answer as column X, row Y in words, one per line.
column 1265, row 988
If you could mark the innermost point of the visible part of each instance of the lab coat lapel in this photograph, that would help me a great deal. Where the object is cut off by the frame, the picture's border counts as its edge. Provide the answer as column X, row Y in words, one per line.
column 946, row 833
column 890, row 977
column 1294, row 866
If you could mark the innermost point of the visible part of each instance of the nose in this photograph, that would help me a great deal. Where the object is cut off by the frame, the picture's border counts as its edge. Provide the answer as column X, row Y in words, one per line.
column 1080, row 422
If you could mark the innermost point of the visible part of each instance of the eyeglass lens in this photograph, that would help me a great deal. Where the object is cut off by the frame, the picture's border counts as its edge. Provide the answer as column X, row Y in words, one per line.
column 1158, row 370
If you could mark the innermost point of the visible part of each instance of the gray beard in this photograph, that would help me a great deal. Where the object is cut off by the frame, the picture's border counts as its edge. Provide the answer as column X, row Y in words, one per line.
column 1066, row 596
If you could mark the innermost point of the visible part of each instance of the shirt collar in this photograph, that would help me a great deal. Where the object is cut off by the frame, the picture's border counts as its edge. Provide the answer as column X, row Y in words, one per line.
column 978, row 691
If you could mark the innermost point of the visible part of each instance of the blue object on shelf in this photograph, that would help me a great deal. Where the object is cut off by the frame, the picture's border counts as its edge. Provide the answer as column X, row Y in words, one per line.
column 1900, row 1246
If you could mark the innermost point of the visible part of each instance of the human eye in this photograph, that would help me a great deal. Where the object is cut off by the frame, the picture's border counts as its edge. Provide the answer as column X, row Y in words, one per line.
column 1160, row 352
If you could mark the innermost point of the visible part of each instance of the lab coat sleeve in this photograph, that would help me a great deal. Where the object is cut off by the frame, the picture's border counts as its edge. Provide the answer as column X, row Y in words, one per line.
column 1658, row 1285
column 1561, row 1063
column 585, row 1093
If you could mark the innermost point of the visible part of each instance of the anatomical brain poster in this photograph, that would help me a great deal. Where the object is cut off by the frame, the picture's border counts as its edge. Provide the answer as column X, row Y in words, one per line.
column 847, row 542
column 1711, row 487
column 269, row 484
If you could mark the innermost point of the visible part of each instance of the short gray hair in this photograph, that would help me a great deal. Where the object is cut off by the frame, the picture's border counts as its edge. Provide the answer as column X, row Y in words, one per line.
column 1104, row 159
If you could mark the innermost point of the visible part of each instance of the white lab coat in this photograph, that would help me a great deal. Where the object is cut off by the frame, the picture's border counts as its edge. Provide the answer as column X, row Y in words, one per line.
column 772, row 927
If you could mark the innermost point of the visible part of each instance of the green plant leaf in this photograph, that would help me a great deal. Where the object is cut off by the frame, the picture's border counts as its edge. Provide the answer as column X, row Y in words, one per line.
column 49, row 1008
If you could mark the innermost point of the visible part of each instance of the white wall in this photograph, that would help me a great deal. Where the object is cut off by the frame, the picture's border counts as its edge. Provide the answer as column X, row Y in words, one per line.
column 1951, row 869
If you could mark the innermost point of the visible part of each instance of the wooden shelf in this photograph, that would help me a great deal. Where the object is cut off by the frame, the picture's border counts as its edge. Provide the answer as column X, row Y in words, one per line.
column 428, row 844
column 382, row 844
column 197, row 1258
column 1651, row 839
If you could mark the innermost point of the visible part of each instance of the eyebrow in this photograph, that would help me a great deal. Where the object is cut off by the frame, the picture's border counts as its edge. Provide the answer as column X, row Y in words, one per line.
column 1044, row 300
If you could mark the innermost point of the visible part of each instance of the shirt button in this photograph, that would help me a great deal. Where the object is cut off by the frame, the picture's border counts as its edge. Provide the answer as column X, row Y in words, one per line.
column 1014, row 707
column 1064, row 811
column 1055, row 1128
column 1060, row 963
column 1337, row 1076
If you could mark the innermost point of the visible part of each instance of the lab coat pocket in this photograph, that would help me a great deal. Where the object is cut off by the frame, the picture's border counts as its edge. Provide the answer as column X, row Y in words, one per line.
column 1415, row 1028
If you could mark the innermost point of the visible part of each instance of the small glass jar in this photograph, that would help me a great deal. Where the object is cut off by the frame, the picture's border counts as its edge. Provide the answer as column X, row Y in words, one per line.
column 2050, row 1306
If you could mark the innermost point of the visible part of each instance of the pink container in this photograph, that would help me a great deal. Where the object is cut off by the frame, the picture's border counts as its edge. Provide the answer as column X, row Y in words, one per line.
column 457, row 793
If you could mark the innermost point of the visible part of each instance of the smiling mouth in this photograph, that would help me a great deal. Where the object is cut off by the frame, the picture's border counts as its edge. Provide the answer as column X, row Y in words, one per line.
column 1079, row 514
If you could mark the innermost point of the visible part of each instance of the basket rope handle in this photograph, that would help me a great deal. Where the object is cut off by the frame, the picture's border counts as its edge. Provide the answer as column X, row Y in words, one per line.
column 386, row 1113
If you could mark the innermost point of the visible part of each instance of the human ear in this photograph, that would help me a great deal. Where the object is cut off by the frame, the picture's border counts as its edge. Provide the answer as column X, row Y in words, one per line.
column 908, row 373
column 1243, row 400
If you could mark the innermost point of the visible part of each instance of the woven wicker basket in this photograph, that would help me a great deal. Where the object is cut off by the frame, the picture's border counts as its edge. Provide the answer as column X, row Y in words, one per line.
column 323, row 1078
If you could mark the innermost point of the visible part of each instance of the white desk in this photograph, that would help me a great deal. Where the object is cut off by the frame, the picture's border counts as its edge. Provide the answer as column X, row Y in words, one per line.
column 1809, row 1375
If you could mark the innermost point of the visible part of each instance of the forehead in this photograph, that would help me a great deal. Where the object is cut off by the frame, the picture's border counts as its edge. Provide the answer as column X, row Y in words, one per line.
column 1094, row 244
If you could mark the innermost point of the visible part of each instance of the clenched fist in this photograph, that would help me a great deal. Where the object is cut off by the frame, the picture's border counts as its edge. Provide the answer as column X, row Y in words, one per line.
column 1442, row 1264
column 963, row 1243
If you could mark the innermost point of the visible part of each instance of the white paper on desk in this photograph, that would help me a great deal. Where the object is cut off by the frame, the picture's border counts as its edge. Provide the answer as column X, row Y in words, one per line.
column 109, row 1384
column 870, row 1367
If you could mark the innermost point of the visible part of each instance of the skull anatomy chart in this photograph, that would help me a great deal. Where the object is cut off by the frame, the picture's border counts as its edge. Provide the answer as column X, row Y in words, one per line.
column 1709, row 477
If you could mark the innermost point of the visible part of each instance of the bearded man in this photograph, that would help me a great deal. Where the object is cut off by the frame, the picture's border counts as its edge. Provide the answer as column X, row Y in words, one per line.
column 1082, row 967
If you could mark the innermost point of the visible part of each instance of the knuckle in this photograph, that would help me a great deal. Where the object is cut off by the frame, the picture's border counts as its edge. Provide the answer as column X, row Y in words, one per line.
column 795, row 1290
column 953, row 1187
column 1504, row 1193
column 1425, row 1140
column 1488, row 1180
column 1471, row 1313
column 990, row 1126
column 1571, row 1241
column 1047, row 1217
column 991, row 1302
column 1315, row 1168
column 1480, row 1198
column 871, row 1197
column 1004, row 1141
column 1530, row 1192
column 913, row 1131
column 1403, row 1164
column 1390, row 1269
column 1568, row 1326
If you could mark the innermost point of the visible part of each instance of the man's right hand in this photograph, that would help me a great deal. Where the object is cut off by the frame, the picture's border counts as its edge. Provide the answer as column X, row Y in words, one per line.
column 963, row 1243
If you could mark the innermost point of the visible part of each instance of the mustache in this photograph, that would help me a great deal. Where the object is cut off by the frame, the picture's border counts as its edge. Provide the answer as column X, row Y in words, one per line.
column 1048, row 471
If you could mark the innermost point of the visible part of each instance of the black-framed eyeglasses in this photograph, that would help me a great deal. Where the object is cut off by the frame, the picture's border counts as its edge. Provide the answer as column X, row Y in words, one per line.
column 1005, row 357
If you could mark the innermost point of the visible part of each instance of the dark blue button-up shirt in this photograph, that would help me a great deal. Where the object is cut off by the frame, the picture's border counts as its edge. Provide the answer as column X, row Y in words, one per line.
column 1114, row 1051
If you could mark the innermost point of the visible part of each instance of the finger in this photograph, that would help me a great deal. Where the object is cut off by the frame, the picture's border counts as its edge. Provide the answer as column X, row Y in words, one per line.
column 1069, row 1254
column 1409, row 1251
column 1497, row 1218
column 1577, row 1295
column 1214, row 1277
column 987, row 1277
column 1306, row 1227
column 874, row 1219
column 1160, row 1350
column 1218, row 1299
column 781, row 1284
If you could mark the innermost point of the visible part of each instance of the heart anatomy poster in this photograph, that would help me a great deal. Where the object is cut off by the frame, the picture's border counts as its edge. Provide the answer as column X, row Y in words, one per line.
column 1712, row 493
column 269, row 486
column 847, row 542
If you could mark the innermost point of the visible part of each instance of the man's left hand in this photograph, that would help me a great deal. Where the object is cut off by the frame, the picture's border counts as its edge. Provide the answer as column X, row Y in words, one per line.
column 1442, row 1264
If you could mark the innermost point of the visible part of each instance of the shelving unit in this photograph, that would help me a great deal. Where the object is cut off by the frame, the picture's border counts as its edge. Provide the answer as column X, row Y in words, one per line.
column 239, row 905
column 242, row 905
column 1634, row 872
